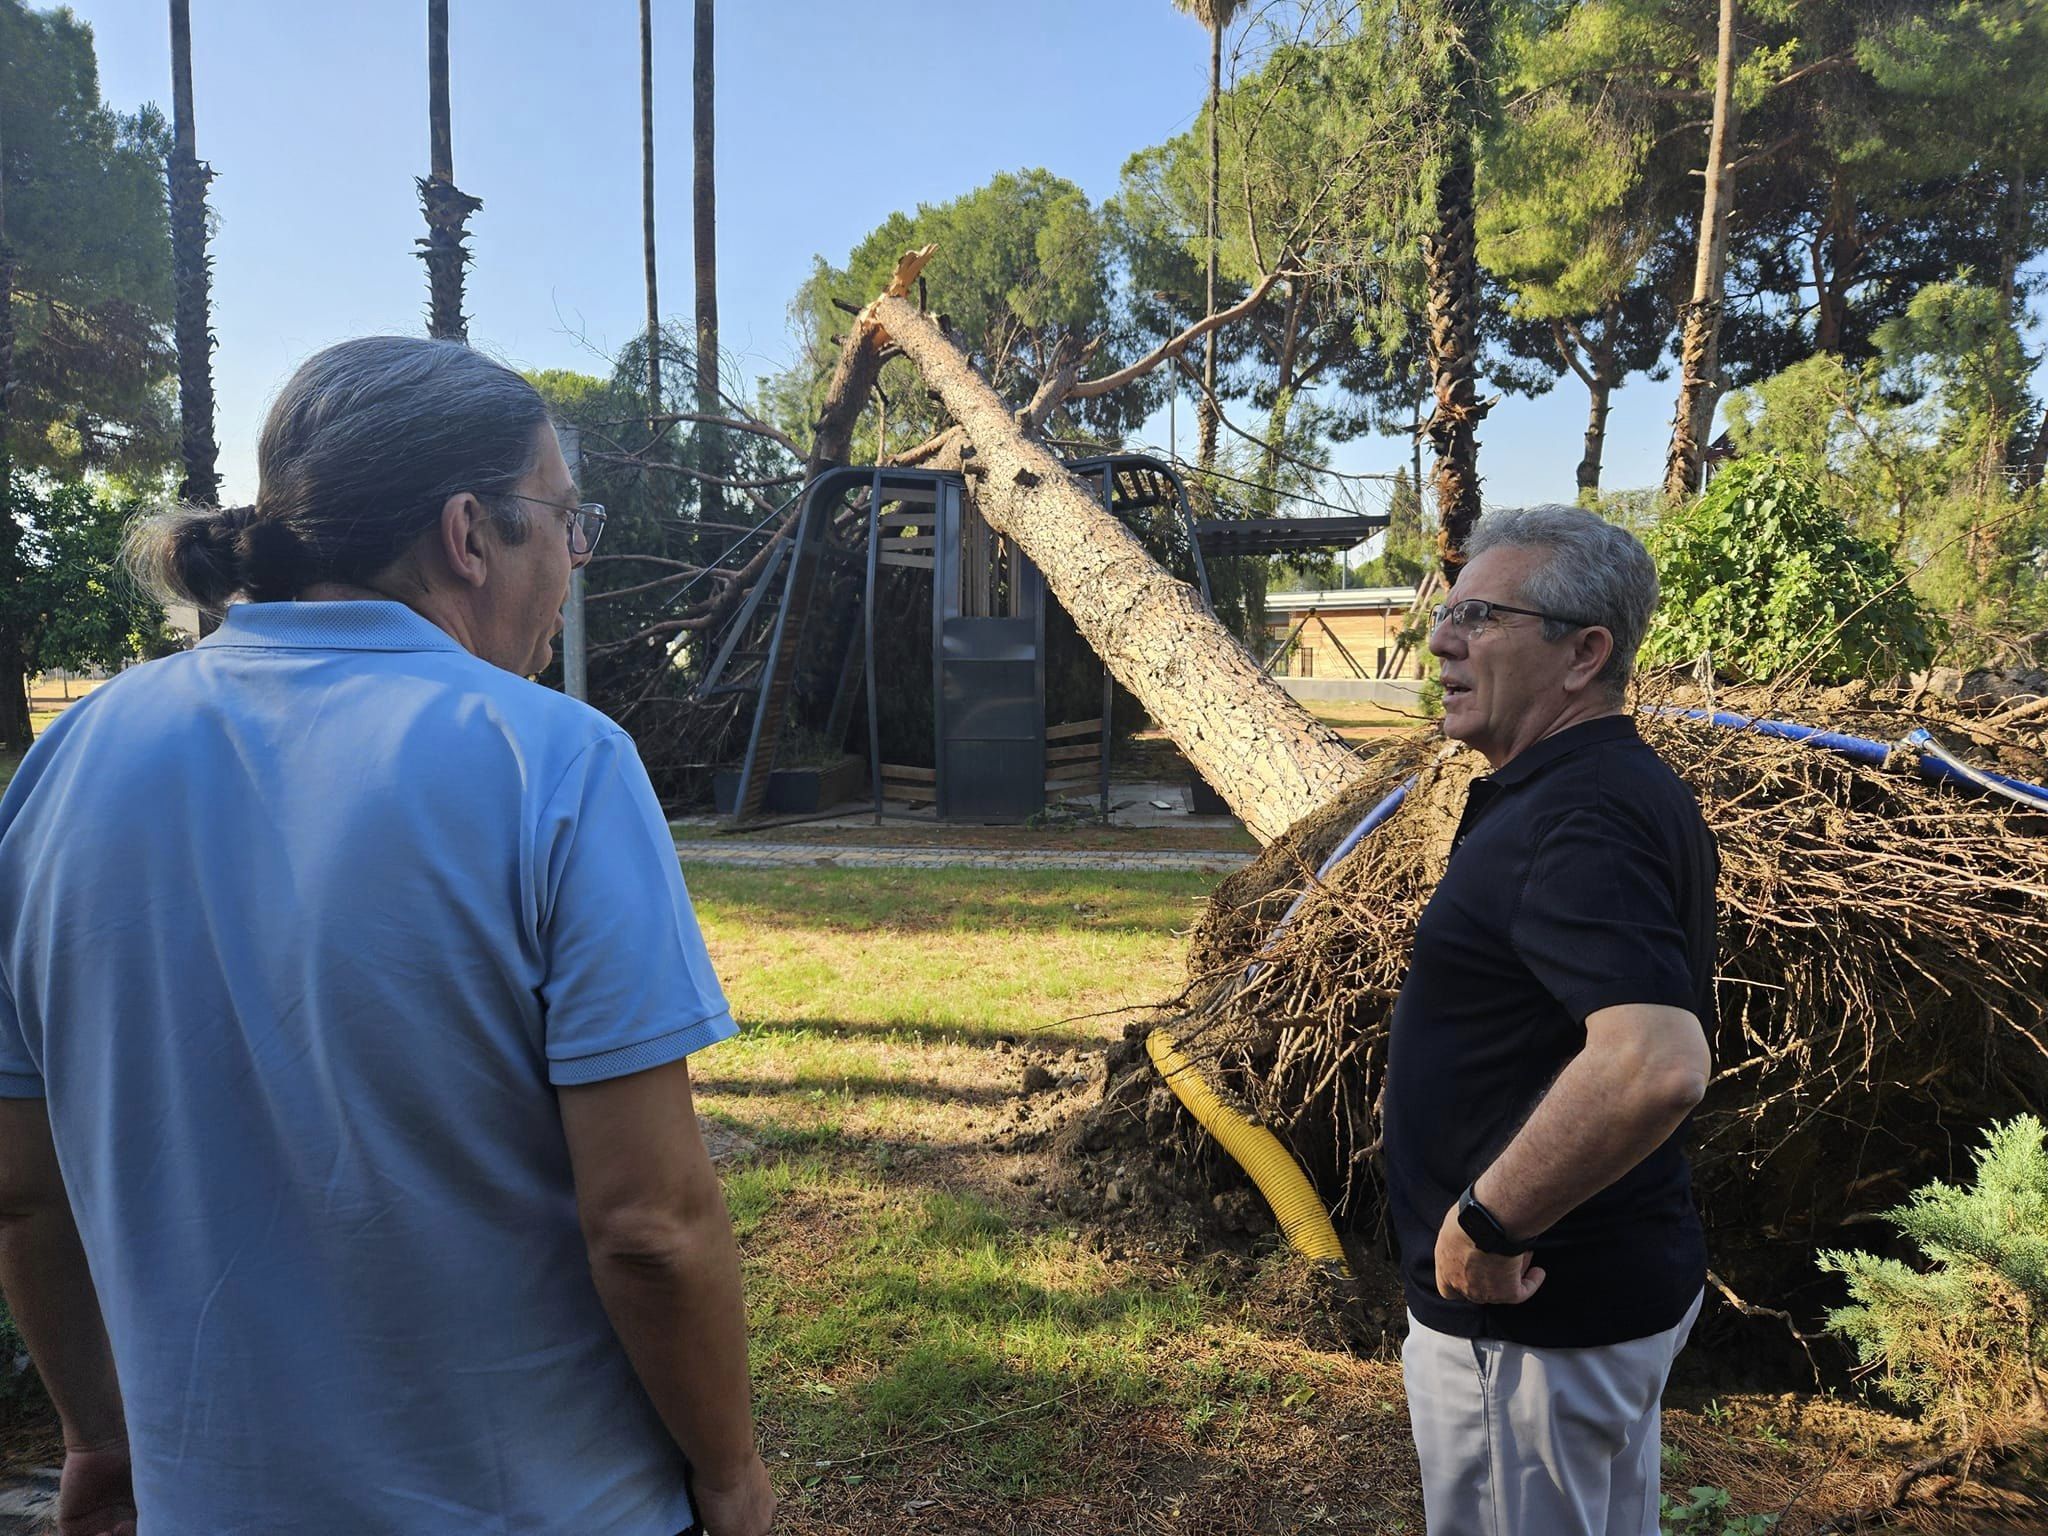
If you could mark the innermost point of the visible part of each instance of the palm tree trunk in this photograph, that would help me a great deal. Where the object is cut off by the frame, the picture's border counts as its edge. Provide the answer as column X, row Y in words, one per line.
column 191, row 274
column 647, row 214
column 704, row 222
column 14, row 722
column 1268, row 756
column 447, row 209
column 1700, row 350
column 1206, row 409
column 1451, row 260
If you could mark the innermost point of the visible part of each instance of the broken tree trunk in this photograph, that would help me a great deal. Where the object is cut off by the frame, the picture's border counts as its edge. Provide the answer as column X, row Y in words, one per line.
column 1265, row 754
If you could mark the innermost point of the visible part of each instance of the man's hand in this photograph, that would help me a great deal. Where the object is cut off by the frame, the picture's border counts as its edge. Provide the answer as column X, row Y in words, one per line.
column 1463, row 1273
column 741, row 1506
column 95, row 1496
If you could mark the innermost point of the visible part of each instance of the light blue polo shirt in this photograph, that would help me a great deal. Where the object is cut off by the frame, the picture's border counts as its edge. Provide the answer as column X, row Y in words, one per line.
column 298, row 931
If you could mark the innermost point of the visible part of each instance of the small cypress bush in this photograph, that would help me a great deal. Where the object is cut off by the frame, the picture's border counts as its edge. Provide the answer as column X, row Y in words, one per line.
column 1966, row 1340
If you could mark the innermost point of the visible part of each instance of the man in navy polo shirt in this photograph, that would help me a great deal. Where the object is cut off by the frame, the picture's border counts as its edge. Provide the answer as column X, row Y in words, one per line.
column 349, row 979
column 1548, row 1044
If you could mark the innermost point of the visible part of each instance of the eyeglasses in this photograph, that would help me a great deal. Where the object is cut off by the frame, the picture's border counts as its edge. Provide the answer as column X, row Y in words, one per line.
column 1475, row 613
column 585, row 521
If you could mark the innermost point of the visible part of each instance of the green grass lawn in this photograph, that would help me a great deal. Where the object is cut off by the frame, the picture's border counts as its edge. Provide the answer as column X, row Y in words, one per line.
column 932, row 1338
column 954, row 951
column 9, row 761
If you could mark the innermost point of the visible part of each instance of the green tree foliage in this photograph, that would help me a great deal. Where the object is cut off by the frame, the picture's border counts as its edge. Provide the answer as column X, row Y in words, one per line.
column 87, row 218
column 1406, row 550
column 89, row 304
column 1584, row 214
column 1841, row 215
column 71, row 603
column 1914, row 446
column 1023, row 265
column 1763, row 578
column 1328, row 147
column 1965, row 1340
column 656, row 534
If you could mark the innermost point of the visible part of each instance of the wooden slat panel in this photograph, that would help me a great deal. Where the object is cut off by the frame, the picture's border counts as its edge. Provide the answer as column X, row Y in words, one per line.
column 893, row 771
column 907, row 793
column 1077, row 772
column 1078, row 728
column 915, row 562
column 1070, row 754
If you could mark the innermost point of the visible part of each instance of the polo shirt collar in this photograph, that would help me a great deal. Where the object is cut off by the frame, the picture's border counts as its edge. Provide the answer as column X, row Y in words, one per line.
column 1587, row 733
column 340, row 626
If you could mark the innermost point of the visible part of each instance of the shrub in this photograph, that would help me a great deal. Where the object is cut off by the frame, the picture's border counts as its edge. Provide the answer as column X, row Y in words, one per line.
column 1762, row 577
column 1705, row 1511
column 1964, row 1340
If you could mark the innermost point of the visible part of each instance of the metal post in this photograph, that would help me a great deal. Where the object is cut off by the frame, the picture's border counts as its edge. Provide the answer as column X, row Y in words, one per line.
column 868, row 636
column 1108, row 680
column 575, row 647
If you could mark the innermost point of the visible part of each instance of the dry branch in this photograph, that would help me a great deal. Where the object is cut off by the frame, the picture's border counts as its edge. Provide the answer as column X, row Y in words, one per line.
column 1883, row 974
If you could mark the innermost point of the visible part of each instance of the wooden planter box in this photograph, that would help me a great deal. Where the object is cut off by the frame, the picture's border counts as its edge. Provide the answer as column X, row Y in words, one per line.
column 797, row 791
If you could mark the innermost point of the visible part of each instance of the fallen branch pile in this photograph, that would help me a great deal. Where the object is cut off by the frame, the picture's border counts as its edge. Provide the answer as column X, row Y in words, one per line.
column 1884, row 966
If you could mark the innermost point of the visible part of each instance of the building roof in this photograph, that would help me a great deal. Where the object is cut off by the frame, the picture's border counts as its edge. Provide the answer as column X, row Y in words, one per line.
column 1376, row 599
column 1283, row 535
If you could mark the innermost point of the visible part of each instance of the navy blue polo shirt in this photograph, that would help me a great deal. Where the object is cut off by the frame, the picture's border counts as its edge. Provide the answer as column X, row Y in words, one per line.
column 1582, row 877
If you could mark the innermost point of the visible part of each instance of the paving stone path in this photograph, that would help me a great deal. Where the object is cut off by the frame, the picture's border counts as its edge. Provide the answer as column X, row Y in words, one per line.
column 752, row 855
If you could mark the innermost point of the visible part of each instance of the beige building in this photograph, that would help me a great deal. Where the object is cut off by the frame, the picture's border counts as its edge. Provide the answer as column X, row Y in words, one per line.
column 1340, row 635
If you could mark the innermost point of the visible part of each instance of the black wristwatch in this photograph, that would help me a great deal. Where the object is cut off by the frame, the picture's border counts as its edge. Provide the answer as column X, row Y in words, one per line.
column 1480, row 1224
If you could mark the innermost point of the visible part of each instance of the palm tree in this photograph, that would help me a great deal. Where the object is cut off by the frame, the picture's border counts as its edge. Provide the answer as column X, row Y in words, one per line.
column 1217, row 16
column 191, row 275
column 704, row 218
column 647, row 213
column 447, row 209
column 1700, row 349
column 1450, row 257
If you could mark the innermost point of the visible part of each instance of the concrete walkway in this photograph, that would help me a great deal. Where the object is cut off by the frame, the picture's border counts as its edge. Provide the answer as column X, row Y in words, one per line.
column 756, row 855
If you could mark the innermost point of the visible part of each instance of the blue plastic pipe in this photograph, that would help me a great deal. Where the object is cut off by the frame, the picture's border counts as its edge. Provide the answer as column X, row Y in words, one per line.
column 1860, row 748
column 1373, row 818
column 1934, row 764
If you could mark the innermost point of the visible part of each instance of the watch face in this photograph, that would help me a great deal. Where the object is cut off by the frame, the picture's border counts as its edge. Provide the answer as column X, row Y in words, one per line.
column 1486, row 1233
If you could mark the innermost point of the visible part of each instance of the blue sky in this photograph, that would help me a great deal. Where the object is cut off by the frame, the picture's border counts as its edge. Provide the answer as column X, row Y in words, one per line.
column 830, row 116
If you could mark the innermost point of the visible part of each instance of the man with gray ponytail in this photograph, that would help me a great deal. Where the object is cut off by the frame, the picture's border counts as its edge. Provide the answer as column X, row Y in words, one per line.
column 349, row 978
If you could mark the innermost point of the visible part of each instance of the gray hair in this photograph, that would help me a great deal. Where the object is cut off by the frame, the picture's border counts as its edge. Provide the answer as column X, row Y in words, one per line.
column 1595, row 572
column 362, row 448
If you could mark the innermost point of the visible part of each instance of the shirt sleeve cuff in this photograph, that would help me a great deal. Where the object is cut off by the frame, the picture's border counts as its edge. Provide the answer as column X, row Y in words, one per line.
column 1658, row 991
column 21, row 1085
column 642, row 1056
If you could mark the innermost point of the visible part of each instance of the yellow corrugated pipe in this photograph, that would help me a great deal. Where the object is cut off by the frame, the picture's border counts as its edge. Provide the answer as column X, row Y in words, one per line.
column 1257, row 1151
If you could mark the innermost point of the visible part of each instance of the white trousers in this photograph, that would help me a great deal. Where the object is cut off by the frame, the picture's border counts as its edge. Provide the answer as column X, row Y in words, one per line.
column 1517, row 1441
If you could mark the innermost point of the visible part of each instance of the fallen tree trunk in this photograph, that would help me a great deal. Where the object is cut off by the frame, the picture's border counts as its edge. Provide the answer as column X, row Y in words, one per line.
column 1265, row 754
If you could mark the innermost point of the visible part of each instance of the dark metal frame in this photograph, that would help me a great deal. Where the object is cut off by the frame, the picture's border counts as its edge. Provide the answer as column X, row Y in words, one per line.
column 1112, row 474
